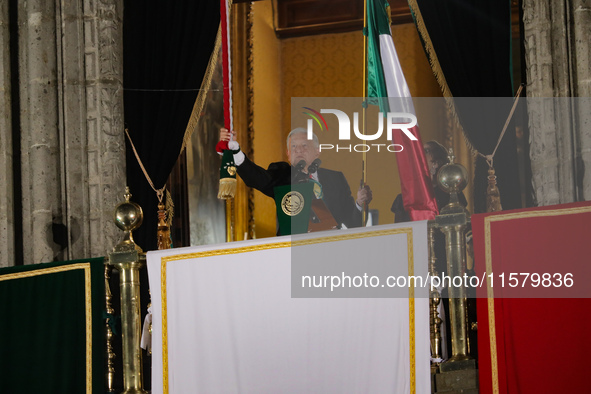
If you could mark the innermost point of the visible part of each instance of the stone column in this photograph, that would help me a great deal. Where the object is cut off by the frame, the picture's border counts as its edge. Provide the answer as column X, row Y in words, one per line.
column 6, row 190
column 103, row 53
column 39, row 129
column 91, row 106
column 72, row 146
column 582, row 46
column 72, row 109
column 557, row 36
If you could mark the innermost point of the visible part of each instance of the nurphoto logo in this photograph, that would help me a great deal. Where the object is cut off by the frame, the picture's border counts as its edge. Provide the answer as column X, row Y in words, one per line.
column 395, row 122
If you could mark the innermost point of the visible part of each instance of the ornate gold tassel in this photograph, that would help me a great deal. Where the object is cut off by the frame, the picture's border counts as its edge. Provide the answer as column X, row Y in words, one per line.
column 163, row 233
column 493, row 196
column 169, row 209
column 227, row 188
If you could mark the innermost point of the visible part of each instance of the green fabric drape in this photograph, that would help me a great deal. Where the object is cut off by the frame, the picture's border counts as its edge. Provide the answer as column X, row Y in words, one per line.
column 468, row 43
column 45, row 327
column 376, row 84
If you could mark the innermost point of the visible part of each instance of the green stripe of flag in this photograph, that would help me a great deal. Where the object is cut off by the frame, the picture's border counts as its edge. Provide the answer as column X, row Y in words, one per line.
column 377, row 23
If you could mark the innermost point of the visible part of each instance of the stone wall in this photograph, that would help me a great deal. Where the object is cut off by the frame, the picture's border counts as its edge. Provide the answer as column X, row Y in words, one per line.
column 557, row 45
column 6, row 188
column 72, row 150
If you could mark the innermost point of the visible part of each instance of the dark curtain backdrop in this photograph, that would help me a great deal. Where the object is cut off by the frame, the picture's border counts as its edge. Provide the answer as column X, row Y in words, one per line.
column 472, row 41
column 167, row 46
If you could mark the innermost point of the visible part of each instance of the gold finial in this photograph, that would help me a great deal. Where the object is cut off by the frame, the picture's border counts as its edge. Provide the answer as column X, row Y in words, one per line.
column 450, row 156
column 128, row 216
column 452, row 178
column 127, row 194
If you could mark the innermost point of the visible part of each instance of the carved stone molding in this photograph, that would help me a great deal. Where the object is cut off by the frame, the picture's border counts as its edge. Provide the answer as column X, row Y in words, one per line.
column 104, row 89
column 556, row 40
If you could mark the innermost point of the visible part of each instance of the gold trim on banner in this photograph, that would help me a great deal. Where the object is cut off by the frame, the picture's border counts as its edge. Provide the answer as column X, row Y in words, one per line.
column 411, row 313
column 220, row 252
column 87, row 304
column 489, row 289
column 164, row 326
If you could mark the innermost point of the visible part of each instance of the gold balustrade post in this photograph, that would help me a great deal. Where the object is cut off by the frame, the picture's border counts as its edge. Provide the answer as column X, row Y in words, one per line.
column 434, row 301
column 128, row 258
column 453, row 227
column 453, row 221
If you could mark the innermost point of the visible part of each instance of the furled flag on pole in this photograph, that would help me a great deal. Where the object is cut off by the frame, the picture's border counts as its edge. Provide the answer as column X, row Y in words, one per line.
column 385, row 79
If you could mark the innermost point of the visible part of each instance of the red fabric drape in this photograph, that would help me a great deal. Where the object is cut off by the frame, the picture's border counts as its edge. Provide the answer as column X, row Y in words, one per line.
column 538, row 344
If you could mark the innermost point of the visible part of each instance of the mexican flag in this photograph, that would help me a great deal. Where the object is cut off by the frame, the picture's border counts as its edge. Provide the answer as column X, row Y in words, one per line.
column 386, row 82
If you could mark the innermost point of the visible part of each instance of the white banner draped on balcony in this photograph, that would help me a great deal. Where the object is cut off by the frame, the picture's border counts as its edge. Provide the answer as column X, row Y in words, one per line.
column 224, row 320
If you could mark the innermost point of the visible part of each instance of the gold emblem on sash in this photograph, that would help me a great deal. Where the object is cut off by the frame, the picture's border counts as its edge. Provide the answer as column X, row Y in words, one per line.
column 292, row 203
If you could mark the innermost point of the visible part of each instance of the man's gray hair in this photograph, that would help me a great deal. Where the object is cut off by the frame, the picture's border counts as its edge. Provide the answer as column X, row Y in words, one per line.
column 304, row 131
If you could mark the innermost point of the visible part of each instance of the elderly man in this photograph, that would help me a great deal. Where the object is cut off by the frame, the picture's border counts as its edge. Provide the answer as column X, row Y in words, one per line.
column 303, row 155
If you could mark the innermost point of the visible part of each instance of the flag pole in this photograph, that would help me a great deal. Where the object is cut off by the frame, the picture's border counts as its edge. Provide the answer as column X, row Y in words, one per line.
column 228, row 121
column 364, row 111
